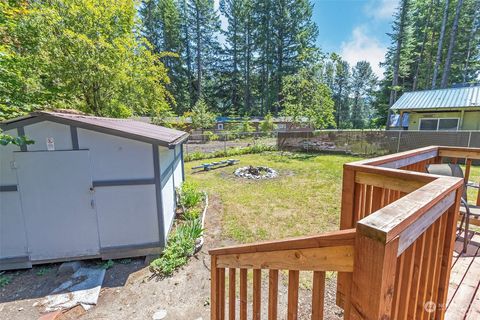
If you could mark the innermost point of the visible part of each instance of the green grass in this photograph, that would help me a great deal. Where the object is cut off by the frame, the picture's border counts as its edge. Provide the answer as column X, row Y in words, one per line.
column 304, row 199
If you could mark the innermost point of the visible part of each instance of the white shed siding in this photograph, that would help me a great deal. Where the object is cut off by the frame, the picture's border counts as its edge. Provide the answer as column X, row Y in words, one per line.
column 168, row 205
column 13, row 240
column 116, row 158
column 178, row 171
column 39, row 132
column 166, row 158
column 127, row 215
column 8, row 176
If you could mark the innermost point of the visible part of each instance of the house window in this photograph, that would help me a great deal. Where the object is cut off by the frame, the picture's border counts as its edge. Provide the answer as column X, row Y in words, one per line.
column 446, row 124
column 220, row 126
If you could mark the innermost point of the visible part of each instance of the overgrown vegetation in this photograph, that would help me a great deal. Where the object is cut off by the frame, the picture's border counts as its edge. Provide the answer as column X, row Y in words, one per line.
column 183, row 239
column 258, row 148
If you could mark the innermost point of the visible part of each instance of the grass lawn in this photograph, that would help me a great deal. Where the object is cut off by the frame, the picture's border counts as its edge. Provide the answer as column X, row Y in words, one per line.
column 303, row 200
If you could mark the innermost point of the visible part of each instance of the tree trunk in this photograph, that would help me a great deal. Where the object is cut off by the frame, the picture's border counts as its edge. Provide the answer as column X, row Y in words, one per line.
column 451, row 46
column 188, row 53
column 469, row 46
column 199, row 53
column 440, row 45
column 422, row 48
column 396, row 66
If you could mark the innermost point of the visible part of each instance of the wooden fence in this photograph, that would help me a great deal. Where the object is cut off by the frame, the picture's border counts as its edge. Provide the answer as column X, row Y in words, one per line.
column 393, row 253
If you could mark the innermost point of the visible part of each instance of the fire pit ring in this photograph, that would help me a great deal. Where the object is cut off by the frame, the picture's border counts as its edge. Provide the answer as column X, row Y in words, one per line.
column 256, row 173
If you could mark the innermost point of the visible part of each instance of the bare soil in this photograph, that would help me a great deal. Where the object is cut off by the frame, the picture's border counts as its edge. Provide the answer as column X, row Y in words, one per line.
column 130, row 291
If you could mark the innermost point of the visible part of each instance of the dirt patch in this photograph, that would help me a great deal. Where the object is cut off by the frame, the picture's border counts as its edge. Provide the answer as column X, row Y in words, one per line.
column 130, row 292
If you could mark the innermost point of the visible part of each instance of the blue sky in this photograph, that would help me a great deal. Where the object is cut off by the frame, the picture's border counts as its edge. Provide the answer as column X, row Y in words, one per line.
column 356, row 29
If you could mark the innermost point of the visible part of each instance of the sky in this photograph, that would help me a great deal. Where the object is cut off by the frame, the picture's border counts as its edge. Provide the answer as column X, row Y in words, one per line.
column 355, row 29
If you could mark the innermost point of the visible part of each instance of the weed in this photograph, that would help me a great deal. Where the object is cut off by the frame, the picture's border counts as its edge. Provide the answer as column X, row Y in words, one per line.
column 5, row 280
column 107, row 264
column 189, row 195
column 43, row 271
column 191, row 214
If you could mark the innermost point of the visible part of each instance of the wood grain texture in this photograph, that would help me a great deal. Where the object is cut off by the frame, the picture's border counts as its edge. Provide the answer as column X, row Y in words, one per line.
column 293, row 281
column 318, row 295
column 231, row 293
column 339, row 258
column 243, row 294
column 273, row 295
column 257, row 294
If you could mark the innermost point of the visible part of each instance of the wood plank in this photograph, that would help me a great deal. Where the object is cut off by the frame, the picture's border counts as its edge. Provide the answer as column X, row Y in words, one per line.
column 231, row 293
column 465, row 293
column 318, row 259
column 293, row 281
column 416, row 277
column 272, row 295
column 243, row 294
column 406, row 280
column 448, row 246
column 318, row 295
column 468, row 165
column 424, row 273
column 327, row 239
column 373, row 278
column 386, row 182
column 221, row 293
column 391, row 220
column 462, row 154
column 257, row 294
column 474, row 310
column 402, row 159
column 213, row 288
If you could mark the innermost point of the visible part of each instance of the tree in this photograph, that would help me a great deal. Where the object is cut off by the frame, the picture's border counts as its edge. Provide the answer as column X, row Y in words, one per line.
column 363, row 85
column 305, row 97
column 267, row 124
column 440, row 44
column 83, row 54
column 453, row 36
column 201, row 117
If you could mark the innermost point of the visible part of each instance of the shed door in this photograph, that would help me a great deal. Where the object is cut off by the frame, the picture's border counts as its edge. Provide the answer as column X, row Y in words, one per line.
column 59, row 211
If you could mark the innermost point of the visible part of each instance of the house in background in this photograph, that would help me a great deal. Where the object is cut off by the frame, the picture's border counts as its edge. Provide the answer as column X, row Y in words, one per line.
column 449, row 109
column 89, row 187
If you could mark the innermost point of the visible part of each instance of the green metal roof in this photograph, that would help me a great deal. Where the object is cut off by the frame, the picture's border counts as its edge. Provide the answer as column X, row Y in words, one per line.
column 439, row 99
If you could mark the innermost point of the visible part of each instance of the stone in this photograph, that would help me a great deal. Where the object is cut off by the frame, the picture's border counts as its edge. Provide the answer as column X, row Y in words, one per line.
column 160, row 314
column 69, row 267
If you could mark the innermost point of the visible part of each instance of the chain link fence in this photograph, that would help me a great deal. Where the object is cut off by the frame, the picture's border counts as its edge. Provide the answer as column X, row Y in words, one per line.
column 373, row 142
column 355, row 142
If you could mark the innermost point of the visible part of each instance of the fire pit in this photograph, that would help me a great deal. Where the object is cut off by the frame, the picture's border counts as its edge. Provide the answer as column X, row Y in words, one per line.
column 256, row 173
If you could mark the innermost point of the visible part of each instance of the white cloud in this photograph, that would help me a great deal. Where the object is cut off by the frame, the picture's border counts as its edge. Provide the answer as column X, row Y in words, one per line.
column 363, row 46
column 381, row 9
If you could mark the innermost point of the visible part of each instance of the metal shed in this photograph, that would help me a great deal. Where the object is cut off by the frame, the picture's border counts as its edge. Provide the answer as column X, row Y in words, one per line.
column 89, row 187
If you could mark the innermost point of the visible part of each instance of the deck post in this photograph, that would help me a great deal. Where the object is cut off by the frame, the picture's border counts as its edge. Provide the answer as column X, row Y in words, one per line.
column 373, row 284
column 347, row 221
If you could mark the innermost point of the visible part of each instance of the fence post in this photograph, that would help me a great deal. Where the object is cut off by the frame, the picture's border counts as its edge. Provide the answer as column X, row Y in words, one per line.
column 225, row 137
column 399, row 138
column 469, row 139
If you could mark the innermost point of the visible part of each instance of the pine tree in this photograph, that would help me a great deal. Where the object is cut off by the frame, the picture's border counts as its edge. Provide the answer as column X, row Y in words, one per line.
column 362, row 85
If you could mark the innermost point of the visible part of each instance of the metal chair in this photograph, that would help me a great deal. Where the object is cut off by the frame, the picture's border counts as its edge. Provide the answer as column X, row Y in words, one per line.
column 467, row 210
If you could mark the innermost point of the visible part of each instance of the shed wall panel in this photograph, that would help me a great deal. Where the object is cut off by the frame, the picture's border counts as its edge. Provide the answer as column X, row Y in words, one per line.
column 166, row 158
column 127, row 215
column 168, row 204
column 178, row 174
column 39, row 132
column 13, row 241
column 116, row 158
column 8, row 176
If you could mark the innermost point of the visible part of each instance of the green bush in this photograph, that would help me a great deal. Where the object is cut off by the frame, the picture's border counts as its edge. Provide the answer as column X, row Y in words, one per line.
column 181, row 245
column 189, row 195
column 258, row 148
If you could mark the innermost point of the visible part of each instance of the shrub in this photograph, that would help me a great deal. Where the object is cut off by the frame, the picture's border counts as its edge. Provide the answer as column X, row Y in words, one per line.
column 258, row 148
column 189, row 195
column 181, row 245
column 191, row 214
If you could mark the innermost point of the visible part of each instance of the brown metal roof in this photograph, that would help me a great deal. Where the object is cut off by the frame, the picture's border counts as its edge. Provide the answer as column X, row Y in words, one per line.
column 128, row 128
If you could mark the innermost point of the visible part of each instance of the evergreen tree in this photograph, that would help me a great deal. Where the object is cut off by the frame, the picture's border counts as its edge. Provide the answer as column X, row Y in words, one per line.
column 363, row 85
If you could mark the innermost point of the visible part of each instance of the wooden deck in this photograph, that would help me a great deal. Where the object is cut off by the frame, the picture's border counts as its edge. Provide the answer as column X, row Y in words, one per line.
column 463, row 301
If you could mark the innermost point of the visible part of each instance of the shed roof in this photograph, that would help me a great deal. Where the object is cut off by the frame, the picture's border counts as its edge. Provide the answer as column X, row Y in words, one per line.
column 451, row 98
column 127, row 128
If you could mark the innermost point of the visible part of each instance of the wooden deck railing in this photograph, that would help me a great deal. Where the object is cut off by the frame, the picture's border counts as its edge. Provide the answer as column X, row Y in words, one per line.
column 393, row 255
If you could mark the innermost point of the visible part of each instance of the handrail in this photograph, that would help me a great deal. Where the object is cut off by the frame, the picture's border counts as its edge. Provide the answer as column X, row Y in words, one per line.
column 336, row 238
